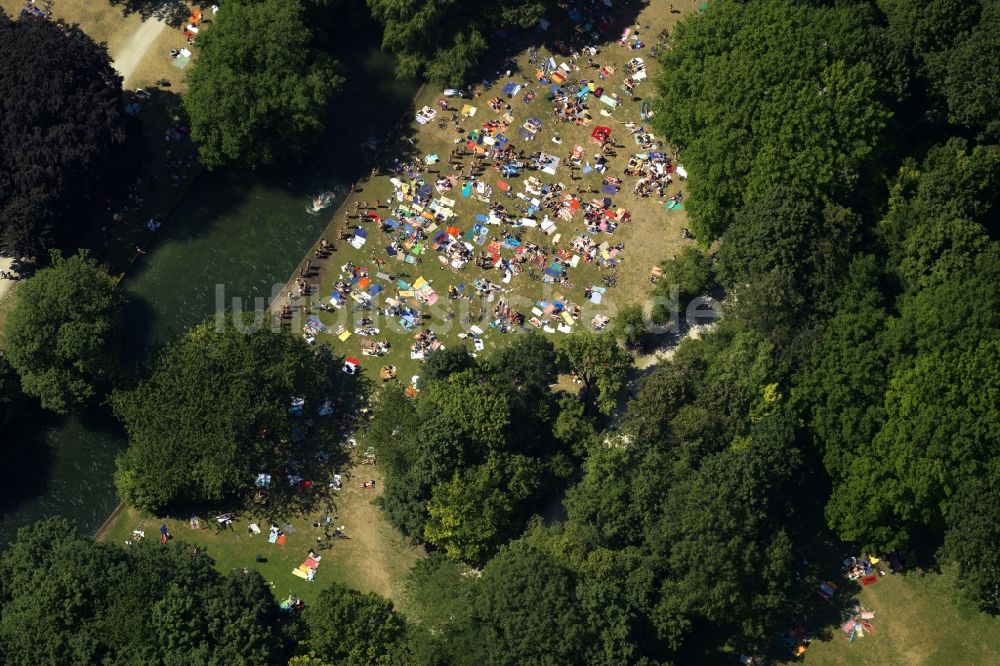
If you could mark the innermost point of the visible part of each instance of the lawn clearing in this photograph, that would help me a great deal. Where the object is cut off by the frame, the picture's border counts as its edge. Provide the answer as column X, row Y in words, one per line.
column 919, row 621
column 652, row 235
column 373, row 558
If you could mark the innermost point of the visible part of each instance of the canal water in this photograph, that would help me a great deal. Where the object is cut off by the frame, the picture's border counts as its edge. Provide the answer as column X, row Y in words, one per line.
column 243, row 231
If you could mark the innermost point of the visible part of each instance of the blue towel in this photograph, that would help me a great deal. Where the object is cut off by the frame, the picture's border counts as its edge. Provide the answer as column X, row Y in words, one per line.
column 482, row 218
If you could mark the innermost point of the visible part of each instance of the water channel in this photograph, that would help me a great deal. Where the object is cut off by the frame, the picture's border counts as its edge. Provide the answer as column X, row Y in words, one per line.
column 246, row 231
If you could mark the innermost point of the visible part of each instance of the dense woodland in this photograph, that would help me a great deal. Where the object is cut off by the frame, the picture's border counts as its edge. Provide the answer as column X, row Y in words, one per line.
column 845, row 177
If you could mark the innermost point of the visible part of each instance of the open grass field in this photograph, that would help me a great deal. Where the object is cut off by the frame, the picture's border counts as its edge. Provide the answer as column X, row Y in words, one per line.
column 919, row 621
column 373, row 558
column 652, row 235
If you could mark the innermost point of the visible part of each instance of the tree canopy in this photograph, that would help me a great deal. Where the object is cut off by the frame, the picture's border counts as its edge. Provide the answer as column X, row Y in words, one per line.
column 61, row 132
column 466, row 462
column 767, row 94
column 64, row 334
column 600, row 364
column 349, row 627
column 527, row 607
column 214, row 411
column 67, row 599
column 445, row 39
column 257, row 101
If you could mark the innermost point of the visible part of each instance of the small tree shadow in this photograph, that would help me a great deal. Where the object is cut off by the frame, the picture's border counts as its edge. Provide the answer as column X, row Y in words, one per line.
column 172, row 12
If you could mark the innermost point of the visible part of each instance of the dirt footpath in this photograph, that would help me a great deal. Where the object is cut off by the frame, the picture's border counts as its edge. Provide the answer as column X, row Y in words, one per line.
column 135, row 47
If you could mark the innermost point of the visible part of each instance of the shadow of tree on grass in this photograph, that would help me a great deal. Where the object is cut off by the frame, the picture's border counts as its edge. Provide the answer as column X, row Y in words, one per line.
column 173, row 12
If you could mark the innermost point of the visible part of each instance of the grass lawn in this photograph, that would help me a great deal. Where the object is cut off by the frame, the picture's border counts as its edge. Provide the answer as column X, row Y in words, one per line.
column 98, row 18
column 653, row 234
column 919, row 620
column 372, row 559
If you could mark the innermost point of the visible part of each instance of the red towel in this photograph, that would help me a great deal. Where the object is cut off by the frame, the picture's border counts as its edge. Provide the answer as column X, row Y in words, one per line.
column 869, row 580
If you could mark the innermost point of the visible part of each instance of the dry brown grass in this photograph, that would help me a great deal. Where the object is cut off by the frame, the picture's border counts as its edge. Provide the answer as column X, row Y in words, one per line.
column 106, row 23
column 98, row 18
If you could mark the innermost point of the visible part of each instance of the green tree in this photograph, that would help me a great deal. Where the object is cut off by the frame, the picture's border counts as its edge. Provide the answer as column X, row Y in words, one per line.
column 630, row 327
column 840, row 390
column 464, row 459
column 213, row 412
column 528, row 368
column 772, row 306
column 64, row 335
column 256, row 100
column 600, row 363
column 67, row 599
column 441, row 591
column 940, row 430
column 972, row 74
column 937, row 213
column 528, row 609
column 350, row 627
column 308, row 660
column 662, row 393
column 446, row 361
column 782, row 230
column 754, row 103
column 453, row 424
column 973, row 530
column 63, row 131
column 690, row 273
column 445, row 39
column 732, row 514
column 481, row 508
